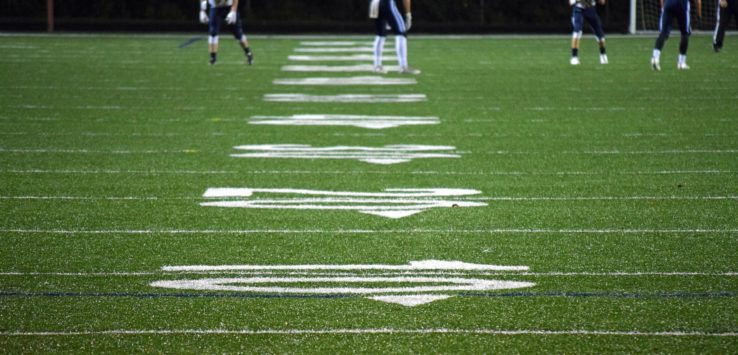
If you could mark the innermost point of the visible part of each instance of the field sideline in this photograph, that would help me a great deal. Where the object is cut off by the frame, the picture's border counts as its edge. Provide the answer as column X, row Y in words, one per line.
column 501, row 201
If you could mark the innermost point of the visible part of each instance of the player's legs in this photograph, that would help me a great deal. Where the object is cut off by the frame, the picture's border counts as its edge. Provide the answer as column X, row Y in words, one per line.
column 685, row 27
column 577, row 23
column 216, row 17
column 720, row 23
column 397, row 24
column 242, row 39
column 379, row 40
column 596, row 25
column 664, row 31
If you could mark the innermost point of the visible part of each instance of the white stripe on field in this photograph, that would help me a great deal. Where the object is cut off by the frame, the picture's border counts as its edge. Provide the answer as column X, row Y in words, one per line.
column 335, row 50
column 335, row 68
column 339, row 58
column 87, row 151
column 364, row 172
column 334, row 43
column 294, row 273
column 365, row 231
column 356, row 98
column 364, row 331
column 349, row 81
column 363, row 121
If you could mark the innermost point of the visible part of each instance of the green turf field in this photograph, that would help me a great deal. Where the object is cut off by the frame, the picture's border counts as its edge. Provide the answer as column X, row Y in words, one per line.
column 611, row 190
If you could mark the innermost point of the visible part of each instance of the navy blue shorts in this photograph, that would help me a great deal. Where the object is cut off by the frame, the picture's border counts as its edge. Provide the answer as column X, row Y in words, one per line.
column 678, row 9
column 218, row 15
column 390, row 15
column 590, row 14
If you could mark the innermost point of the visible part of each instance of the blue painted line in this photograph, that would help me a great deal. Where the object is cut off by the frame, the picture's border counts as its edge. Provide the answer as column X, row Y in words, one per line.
column 677, row 295
column 190, row 41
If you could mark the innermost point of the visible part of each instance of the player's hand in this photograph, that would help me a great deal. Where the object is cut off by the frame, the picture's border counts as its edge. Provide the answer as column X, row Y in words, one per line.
column 231, row 18
column 408, row 21
column 572, row 2
column 204, row 17
column 723, row 3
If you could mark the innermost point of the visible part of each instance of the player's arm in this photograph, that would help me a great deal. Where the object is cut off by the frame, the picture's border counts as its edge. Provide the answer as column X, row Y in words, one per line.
column 203, row 14
column 231, row 18
column 698, row 6
column 408, row 13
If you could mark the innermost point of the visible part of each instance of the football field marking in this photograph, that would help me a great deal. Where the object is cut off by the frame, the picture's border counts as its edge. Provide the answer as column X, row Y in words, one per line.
column 335, row 50
column 387, row 155
column 362, row 121
column 392, row 203
column 347, row 81
column 349, row 98
column 339, row 58
column 371, row 331
column 335, row 68
column 424, row 289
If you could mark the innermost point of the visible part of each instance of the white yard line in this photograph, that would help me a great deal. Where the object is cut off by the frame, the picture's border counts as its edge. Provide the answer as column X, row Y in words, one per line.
column 456, row 273
column 363, row 231
column 369, row 331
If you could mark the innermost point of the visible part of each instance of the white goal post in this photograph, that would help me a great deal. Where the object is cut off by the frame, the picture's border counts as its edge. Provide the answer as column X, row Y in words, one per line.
column 644, row 16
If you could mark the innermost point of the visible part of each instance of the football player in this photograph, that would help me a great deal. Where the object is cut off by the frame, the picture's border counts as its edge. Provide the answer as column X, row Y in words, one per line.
column 726, row 8
column 586, row 10
column 386, row 14
column 223, row 10
column 671, row 9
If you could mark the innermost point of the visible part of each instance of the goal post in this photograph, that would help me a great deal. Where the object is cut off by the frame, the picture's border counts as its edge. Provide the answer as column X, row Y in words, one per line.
column 644, row 16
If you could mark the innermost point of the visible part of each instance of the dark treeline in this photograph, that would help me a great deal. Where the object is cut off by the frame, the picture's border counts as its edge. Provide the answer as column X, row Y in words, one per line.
column 431, row 16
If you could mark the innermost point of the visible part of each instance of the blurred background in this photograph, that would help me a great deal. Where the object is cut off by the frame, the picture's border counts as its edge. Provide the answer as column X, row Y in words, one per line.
column 304, row 16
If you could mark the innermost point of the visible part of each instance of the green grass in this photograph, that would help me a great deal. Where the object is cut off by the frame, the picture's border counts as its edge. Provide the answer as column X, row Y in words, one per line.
column 615, row 184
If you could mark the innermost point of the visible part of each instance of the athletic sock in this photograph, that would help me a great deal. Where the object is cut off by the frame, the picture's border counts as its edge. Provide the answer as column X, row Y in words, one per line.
column 575, row 52
column 602, row 50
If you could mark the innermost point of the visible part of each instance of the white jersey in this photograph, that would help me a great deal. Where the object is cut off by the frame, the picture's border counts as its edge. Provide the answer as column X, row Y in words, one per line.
column 220, row 3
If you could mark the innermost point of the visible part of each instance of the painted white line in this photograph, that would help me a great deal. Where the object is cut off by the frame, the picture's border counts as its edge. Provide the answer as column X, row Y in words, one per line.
column 390, row 154
column 115, row 172
column 371, row 331
column 617, row 152
column 393, row 203
column 368, row 68
column 334, row 43
column 88, row 151
column 339, row 58
column 572, row 231
column 607, row 198
column 396, row 273
column 440, row 284
column 362, row 121
column 349, row 81
column 355, row 98
column 411, row 266
column 365, row 172
column 335, row 50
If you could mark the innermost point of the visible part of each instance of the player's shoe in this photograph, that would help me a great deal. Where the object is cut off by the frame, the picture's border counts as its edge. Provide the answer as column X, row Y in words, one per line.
column 211, row 61
column 603, row 59
column 655, row 64
column 410, row 71
column 379, row 70
column 683, row 66
column 250, row 58
column 574, row 61
column 715, row 47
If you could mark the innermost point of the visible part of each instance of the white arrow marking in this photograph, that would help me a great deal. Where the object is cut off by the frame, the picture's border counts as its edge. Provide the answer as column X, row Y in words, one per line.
column 391, row 154
column 352, row 81
column 363, row 121
column 353, row 98
column 424, row 265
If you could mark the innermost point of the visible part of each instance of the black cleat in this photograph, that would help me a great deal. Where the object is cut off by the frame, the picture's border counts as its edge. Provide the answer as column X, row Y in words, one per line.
column 715, row 47
column 250, row 58
column 211, row 61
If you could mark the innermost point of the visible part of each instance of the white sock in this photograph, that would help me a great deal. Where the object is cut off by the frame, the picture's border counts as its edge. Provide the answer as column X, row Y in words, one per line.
column 378, row 48
column 656, row 54
column 401, row 48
